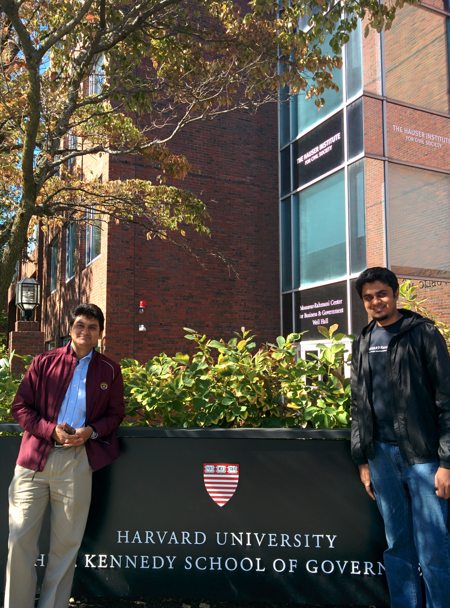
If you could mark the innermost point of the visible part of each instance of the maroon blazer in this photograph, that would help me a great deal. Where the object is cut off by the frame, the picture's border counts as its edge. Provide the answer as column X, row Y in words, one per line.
column 40, row 396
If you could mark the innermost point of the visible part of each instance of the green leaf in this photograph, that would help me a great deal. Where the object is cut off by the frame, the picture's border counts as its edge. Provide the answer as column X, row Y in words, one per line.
column 281, row 342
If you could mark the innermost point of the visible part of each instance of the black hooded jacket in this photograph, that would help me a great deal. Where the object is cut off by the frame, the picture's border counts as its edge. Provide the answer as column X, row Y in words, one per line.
column 419, row 380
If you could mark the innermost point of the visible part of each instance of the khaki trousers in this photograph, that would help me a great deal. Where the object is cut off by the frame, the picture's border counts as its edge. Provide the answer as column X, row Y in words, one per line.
column 66, row 484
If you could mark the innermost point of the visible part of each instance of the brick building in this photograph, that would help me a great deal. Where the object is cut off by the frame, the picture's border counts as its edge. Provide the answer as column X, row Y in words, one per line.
column 235, row 283
column 365, row 181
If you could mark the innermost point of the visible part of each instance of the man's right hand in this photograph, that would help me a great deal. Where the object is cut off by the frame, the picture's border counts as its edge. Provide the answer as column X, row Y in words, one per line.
column 60, row 434
column 364, row 475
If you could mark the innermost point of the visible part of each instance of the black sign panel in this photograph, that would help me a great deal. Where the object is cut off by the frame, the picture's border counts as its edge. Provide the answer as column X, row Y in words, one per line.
column 321, row 306
column 319, row 151
column 229, row 516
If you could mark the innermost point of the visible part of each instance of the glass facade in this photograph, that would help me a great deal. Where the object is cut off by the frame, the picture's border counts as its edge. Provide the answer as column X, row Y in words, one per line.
column 364, row 180
column 322, row 222
column 284, row 116
column 322, row 231
column 353, row 54
column 355, row 129
column 306, row 113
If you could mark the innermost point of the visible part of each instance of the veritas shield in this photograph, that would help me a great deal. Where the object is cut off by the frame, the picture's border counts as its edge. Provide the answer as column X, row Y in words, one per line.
column 221, row 480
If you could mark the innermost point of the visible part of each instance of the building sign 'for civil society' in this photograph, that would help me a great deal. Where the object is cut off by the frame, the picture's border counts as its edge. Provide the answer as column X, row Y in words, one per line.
column 319, row 151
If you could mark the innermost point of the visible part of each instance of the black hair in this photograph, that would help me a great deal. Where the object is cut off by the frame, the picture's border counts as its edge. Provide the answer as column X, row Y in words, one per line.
column 376, row 273
column 91, row 311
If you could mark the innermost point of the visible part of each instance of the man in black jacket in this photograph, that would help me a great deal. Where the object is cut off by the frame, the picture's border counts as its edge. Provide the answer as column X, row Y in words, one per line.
column 401, row 439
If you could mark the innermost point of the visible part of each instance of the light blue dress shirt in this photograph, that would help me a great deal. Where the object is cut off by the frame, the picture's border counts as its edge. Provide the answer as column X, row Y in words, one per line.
column 73, row 408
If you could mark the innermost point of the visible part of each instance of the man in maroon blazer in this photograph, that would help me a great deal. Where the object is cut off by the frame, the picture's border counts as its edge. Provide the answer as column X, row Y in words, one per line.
column 69, row 404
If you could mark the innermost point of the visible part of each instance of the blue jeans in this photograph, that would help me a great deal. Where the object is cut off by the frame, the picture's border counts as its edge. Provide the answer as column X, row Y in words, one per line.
column 415, row 522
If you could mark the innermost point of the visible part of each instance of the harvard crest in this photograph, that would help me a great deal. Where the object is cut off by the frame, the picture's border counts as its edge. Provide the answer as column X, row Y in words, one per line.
column 221, row 480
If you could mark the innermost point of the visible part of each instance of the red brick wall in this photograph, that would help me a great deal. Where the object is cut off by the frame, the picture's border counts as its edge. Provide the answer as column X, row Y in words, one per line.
column 418, row 137
column 436, row 294
column 418, row 201
column 371, row 61
column 375, row 221
column 416, row 59
column 373, row 126
column 26, row 339
column 88, row 284
column 235, row 171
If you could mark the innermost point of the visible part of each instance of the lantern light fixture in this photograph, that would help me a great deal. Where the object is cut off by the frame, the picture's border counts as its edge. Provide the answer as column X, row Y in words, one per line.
column 28, row 295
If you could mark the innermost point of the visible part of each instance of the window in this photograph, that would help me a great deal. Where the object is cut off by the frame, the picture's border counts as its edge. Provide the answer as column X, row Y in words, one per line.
column 353, row 64
column 304, row 112
column 284, row 106
column 286, row 240
column 308, row 113
column 355, row 130
column 96, row 79
column 285, row 171
column 93, row 236
column 357, row 217
column 288, row 326
column 296, row 241
column 71, row 147
column 70, row 250
column 293, row 116
column 33, row 241
column 418, row 235
column 322, row 231
column 53, row 264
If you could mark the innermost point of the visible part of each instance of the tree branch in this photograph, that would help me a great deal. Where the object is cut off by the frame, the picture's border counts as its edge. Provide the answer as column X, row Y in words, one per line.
column 57, row 35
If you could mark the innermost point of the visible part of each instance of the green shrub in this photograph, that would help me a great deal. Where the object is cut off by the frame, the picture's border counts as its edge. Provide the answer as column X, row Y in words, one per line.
column 234, row 384
column 8, row 385
column 410, row 300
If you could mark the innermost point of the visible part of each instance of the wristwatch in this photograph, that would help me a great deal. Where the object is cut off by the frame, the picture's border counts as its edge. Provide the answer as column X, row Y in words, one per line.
column 94, row 434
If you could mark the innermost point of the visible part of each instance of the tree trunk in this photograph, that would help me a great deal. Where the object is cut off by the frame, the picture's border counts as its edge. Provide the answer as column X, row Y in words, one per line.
column 13, row 252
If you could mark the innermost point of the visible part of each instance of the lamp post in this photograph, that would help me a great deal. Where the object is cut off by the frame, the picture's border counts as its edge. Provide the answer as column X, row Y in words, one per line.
column 28, row 294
